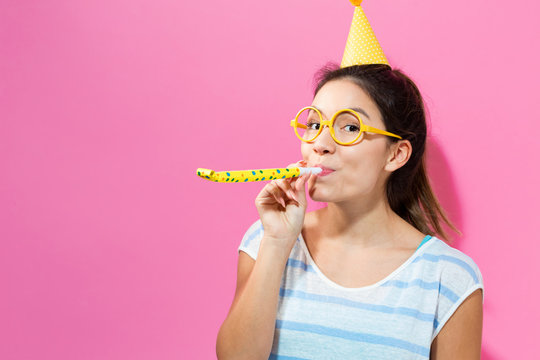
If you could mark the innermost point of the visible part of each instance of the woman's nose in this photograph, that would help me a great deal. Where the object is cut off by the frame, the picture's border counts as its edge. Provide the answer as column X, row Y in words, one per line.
column 324, row 143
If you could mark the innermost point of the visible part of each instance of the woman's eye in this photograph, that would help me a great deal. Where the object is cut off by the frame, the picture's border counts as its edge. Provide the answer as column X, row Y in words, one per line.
column 313, row 125
column 351, row 128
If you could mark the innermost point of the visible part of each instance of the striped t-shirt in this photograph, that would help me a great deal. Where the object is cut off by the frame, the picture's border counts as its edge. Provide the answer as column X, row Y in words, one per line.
column 395, row 318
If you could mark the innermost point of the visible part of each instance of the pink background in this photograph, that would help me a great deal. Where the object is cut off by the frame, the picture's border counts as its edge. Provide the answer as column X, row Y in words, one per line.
column 112, row 248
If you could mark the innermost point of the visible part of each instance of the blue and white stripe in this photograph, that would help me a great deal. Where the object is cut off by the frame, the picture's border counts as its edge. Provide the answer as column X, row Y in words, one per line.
column 396, row 318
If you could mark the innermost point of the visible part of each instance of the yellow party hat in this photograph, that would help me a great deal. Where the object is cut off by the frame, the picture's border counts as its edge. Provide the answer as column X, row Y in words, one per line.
column 362, row 45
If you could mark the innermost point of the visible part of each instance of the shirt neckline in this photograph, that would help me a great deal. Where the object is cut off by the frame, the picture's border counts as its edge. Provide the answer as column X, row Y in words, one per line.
column 426, row 242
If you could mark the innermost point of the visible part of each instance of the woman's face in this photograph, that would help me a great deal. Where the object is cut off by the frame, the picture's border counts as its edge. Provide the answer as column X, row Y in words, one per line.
column 358, row 170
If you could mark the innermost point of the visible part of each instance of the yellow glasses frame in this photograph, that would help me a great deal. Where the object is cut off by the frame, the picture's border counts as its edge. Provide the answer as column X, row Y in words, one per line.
column 330, row 123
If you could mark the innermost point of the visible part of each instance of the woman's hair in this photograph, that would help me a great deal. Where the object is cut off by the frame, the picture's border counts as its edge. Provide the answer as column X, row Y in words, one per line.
column 408, row 189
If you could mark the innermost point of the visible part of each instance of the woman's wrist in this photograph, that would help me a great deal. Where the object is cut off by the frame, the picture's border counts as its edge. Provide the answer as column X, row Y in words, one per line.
column 278, row 248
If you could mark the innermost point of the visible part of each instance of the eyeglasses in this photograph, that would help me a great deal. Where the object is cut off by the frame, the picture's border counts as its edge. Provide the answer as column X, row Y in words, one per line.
column 346, row 126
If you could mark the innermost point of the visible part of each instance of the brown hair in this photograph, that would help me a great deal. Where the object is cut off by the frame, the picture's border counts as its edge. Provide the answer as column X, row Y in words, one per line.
column 408, row 189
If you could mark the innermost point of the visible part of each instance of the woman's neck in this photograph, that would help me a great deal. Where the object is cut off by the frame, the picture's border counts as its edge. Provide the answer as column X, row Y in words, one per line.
column 362, row 223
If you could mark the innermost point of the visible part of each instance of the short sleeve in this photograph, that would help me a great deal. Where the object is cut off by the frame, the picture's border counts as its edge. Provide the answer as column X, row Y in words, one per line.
column 252, row 239
column 459, row 278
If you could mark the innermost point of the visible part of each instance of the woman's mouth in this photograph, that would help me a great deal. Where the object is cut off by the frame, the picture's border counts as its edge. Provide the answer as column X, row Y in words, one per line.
column 325, row 171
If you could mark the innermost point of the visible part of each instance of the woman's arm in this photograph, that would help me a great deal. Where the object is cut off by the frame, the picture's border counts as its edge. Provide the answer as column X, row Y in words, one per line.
column 461, row 337
column 248, row 330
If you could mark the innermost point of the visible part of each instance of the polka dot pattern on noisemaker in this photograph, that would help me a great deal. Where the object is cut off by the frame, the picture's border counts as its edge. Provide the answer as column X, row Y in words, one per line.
column 362, row 45
column 248, row 175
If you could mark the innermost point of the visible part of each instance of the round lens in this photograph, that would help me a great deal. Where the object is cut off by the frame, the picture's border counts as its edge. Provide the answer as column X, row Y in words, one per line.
column 309, row 124
column 347, row 127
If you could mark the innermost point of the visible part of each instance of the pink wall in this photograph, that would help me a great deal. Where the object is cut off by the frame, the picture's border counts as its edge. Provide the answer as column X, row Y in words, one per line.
column 112, row 248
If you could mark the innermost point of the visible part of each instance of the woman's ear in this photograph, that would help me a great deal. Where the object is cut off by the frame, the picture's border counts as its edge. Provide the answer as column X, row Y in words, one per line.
column 398, row 155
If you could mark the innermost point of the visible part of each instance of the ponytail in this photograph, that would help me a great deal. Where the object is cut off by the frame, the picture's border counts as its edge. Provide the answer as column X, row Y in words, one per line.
column 418, row 205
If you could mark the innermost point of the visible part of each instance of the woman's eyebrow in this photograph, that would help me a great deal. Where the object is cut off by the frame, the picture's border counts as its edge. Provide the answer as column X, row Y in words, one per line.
column 357, row 109
column 360, row 110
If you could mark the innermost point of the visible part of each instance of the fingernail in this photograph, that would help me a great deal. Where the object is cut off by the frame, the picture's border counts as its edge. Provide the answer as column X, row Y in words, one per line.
column 293, row 195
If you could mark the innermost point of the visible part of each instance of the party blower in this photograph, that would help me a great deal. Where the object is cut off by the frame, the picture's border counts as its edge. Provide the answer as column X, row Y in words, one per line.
column 255, row 175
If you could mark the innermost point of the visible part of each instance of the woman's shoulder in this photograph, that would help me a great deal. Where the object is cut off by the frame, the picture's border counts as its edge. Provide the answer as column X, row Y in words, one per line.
column 454, row 275
column 455, row 269
column 251, row 240
column 442, row 251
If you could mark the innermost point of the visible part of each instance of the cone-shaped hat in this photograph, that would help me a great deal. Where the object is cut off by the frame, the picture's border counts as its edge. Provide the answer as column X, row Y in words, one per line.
column 362, row 45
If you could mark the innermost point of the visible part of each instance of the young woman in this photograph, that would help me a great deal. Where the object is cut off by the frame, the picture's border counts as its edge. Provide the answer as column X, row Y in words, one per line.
column 364, row 277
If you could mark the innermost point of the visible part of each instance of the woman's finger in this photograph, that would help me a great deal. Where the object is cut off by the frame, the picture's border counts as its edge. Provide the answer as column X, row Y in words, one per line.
column 299, row 163
column 287, row 188
column 300, row 184
column 279, row 193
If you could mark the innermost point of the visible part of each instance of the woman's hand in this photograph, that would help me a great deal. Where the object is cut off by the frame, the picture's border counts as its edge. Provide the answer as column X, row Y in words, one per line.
column 282, row 207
